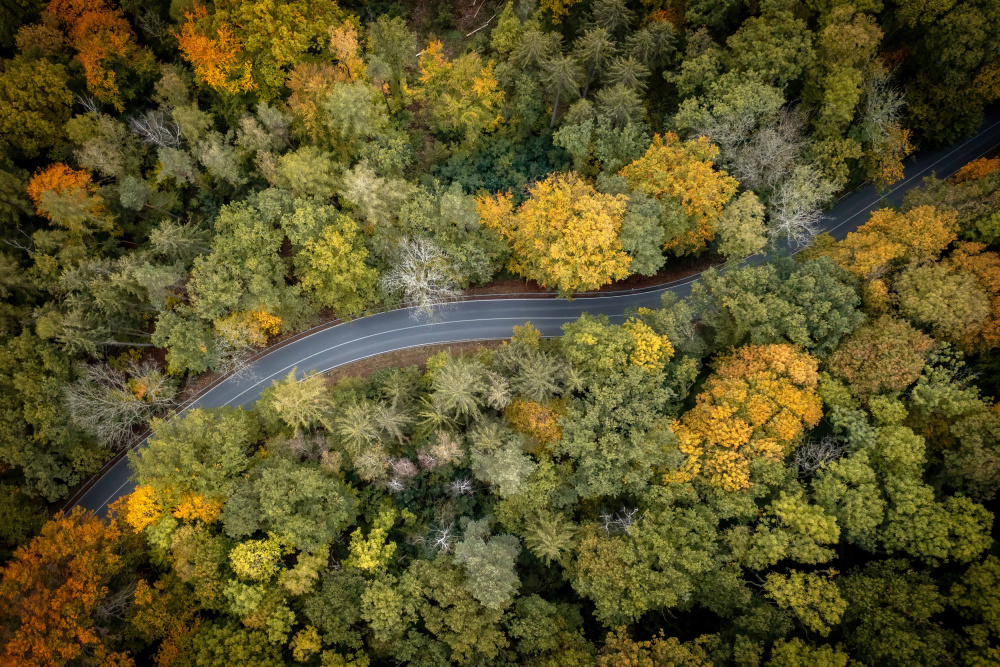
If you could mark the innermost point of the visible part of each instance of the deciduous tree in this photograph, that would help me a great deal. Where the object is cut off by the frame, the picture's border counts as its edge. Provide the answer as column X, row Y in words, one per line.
column 758, row 403
column 884, row 355
column 683, row 172
column 565, row 235
column 59, row 590
column 35, row 104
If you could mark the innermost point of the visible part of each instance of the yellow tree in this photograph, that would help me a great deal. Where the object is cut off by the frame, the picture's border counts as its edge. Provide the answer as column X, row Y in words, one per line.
column 682, row 172
column 248, row 45
column 920, row 234
column 461, row 96
column 564, row 236
column 757, row 403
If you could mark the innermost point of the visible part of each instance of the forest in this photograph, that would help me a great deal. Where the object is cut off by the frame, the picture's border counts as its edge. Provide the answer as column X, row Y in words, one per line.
column 795, row 465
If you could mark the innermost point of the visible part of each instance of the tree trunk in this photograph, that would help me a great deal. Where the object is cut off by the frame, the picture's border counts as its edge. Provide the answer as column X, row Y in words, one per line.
column 555, row 110
column 590, row 79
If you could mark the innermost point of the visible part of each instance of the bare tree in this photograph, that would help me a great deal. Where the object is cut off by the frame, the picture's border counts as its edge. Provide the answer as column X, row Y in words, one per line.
column 796, row 206
column 151, row 23
column 109, row 403
column 156, row 127
column 423, row 275
column 462, row 486
column 443, row 538
column 620, row 521
column 88, row 103
column 882, row 106
column 770, row 154
column 815, row 454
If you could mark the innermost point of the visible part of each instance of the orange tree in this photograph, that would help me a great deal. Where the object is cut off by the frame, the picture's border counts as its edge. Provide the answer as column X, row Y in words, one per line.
column 757, row 403
column 67, row 197
column 105, row 45
column 682, row 172
column 979, row 168
column 564, row 236
column 55, row 587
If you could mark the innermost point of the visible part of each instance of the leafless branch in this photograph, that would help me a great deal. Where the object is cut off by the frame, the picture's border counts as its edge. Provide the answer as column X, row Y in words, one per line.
column 156, row 127
column 422, row 275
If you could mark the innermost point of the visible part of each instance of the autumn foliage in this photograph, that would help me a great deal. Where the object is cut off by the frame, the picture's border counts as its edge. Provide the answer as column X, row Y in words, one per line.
column 52, row 589
column 683, row 171
column 564, row 236
column 461, row 95
column 890, row 237
column 757, row 403
column 985, row 266
column 102, row 38
column 977, row 169
column 886, row 355
column 535, row 420
column 214, row 56
column 246, row 45
column 251, row 326
column 62, row 180
column 67, row 197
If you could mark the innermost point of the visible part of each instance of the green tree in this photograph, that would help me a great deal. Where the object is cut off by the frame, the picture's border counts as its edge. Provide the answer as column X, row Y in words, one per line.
column 36, row 435
column 813, row 598
column 299, row 404
column 890, row 615
column 563, row 76
column 34, row 104
column 302, row 505
column 245, row 271
column 333, row 269
column 201, row 453
column 455, row 625
column 813, row 304
column 952, row 304
column 775, row 45
column 489, row 564
column 740, row 230
column 225, row 644
column 549, row 536
column 652, row 563
column 848, row 490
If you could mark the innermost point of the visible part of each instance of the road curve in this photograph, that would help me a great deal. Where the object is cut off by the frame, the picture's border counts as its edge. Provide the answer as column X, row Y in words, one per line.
column 377, row 334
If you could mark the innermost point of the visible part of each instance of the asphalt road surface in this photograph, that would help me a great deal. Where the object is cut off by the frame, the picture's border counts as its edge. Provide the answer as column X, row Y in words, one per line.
column 495, row 318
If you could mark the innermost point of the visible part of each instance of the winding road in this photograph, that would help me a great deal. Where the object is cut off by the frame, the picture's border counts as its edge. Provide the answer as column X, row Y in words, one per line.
column 330, row 347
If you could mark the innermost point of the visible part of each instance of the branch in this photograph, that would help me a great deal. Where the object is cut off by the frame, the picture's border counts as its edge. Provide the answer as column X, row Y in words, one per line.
column 477, row 29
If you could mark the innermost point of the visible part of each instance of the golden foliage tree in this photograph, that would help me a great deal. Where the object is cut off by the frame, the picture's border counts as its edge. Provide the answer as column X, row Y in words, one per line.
column 885, row 159
column 682, row 171
column 564, row 236
column 891, row 237
column 978, row 168
column 248, row 45
column 535, row 419
column 757, row 403
column 462, row 96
